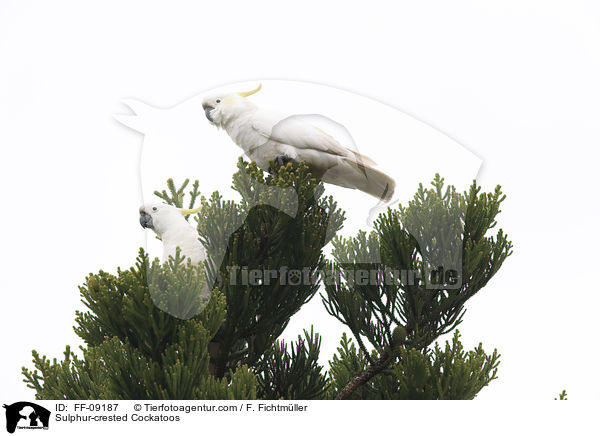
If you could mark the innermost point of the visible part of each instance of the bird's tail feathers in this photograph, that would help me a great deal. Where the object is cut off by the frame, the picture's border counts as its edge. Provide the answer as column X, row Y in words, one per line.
column 378, row 184
column 362, row 158
column 362, row 177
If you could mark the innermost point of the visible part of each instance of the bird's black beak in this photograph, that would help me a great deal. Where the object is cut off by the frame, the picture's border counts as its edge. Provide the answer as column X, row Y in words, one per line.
column 146, row 220
column 207, row 111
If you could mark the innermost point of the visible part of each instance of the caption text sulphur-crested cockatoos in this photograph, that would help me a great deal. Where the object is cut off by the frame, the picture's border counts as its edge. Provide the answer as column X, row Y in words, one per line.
column 169, row 223
column 265, row 135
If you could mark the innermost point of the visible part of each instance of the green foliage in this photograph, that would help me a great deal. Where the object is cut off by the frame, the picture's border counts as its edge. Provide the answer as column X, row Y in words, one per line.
column 294, row 375
column 135, row 349
column 439, row 374
column 175, row 195
column 439, row 228
column 562, row 395
column 182, row 331
column 281, row 224
column 347, row 363
column 416, row 271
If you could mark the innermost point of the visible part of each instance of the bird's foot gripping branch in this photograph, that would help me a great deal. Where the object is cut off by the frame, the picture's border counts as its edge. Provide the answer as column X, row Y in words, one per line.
column 182, row 329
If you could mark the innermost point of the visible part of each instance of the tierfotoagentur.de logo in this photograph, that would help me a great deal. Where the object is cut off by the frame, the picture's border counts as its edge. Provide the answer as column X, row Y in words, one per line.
column 26, row 415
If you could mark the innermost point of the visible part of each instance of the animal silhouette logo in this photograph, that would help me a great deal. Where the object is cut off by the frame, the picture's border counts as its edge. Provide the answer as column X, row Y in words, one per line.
column 178, row 141
column 26, row 415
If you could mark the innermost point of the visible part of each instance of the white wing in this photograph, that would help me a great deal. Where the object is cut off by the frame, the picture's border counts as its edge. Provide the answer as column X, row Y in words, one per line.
column 298, row 132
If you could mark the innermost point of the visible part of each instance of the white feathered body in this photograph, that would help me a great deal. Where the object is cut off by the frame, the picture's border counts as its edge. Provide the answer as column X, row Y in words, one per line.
column 265, row 135
column 174, row 231
column 186, row 238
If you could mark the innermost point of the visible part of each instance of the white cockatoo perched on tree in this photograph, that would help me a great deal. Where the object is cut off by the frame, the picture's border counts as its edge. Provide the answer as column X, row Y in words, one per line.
column 265, row 135
column 172, row 228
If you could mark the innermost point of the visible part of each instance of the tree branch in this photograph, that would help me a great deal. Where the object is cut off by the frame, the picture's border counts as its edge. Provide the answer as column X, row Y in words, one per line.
column 359, row 380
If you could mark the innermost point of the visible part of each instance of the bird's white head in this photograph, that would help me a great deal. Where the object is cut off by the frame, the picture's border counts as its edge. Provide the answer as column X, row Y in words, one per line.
column 221, row 108
column 162, row 217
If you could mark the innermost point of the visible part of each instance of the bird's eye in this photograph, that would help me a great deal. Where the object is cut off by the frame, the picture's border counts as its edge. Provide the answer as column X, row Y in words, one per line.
column 218, row 100
column 154, row 208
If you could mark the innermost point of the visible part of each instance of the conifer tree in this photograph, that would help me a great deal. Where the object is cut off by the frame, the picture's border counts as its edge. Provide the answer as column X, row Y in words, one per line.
column 425, row 261
column 153, row 332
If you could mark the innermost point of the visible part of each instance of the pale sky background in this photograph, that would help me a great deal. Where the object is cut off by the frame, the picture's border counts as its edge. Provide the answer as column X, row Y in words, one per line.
column 515, row 82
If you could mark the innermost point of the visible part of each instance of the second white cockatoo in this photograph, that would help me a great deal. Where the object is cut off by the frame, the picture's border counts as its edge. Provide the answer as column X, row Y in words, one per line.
column 265, row 135
column 169, row 223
